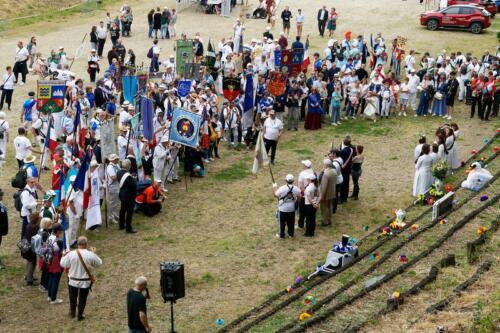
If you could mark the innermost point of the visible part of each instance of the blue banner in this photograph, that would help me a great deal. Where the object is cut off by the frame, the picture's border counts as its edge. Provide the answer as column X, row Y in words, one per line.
column 184, row 88
column 277, row 58
column 147, row 118
column 185, row 128
column 248, row 102
column 129, row 88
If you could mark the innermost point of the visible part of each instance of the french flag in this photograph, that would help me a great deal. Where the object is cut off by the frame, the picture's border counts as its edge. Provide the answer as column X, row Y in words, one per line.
column 82, row 181
column 51, row 139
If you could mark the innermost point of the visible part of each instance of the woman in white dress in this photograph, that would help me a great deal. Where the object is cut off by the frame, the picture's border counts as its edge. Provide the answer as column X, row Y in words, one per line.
column 451, row 149
column 371, row 106
column 423, row 172
column 418, row 149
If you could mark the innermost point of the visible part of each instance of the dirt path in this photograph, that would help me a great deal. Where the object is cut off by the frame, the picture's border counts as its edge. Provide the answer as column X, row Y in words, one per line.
column 227, row 239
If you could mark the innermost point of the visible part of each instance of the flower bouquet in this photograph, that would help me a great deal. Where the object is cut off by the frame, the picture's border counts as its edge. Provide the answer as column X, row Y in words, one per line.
column 439, row 170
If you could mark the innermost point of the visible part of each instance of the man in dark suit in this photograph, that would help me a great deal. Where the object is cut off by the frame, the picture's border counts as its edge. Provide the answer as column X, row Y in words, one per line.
column 100, row 96
column 128, row 189
column 322, row 19
column 347, row 152
column 486, row 59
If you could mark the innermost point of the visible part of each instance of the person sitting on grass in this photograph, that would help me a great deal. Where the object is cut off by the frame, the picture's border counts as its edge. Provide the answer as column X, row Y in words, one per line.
column 150, row 200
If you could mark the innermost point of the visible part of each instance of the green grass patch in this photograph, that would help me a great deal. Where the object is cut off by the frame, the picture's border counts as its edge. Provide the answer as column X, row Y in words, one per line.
column 272, row 324
column 6, row 290
column 155, row 238
column 237, row 171
column 304, row 153
column 357, row 128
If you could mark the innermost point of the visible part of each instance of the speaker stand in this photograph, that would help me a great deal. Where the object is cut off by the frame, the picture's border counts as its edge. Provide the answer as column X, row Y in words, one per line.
column 172, row 330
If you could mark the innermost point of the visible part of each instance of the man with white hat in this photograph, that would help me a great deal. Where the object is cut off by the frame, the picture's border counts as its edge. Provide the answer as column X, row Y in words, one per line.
column 307, row 170
column 93, row 65
column 161, row 155
column 113, row 187
column 74, row 209
column 122, row 141
column 287, row 195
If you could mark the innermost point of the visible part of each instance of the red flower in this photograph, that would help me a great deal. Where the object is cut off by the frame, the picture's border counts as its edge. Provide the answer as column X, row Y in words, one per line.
column 496, row 149
column 473, row 152
column 448, row 188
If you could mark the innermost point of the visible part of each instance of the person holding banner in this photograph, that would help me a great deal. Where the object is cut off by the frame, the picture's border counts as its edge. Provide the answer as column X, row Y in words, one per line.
column 161, row 156
column 272, row 130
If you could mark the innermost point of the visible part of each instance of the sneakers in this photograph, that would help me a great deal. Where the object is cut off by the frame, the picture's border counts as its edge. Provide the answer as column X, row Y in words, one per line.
column 211, row 159
column 416, row 115
column 404, row 114
column 49, row 299
column 334, row 124
column 42, row 289
column 399, row 114
column 353, row 117
column 449, row 118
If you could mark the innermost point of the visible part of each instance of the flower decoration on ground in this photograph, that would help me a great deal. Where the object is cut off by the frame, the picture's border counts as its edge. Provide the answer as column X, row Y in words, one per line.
column 484, row 198
column 443, row 221
column 473, row 152
column 481, row 230
column 309, row 300
column 219, row 322
column 304, row 316
column 395, row 295
column 403, row 259
column 448, row 188
column 414, row 227
column 289, row 289
column 365, row 228
column 496, row 149
column 299, row 279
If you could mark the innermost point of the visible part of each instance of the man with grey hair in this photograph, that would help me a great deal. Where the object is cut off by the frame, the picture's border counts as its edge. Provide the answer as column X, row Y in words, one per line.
column 136, row 307
column 128, row 189
column 327, row 184
column 81, row 263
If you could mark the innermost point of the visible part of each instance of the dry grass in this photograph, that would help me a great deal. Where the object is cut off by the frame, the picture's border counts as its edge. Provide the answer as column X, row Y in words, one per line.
column 223, row 227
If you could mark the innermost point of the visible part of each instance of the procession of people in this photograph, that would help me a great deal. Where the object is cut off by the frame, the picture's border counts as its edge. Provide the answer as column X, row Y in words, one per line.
column 117, row 138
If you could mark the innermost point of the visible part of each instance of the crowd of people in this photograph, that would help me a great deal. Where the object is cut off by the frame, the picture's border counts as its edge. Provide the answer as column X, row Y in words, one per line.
column 350, row 78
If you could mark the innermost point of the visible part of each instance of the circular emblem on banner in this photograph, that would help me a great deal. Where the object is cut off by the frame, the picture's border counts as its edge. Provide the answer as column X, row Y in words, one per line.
column 185, row 127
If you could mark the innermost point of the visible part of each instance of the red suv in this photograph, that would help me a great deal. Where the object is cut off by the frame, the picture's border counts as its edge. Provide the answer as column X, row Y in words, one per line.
column 489, row 5
column 469, row 17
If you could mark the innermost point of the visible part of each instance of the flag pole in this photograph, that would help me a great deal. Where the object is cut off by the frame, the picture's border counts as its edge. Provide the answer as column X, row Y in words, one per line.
column 271, row 172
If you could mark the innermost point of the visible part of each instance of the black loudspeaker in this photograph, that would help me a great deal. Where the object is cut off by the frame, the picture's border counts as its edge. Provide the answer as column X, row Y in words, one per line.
column 172, row 280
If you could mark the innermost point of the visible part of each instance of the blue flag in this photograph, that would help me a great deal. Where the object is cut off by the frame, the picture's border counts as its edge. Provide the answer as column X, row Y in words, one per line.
column 76, row 121
column 184, row 88
column 147, row 118
column 277, row 58
column 79, row 183
column 129, row 88
column 248, row 103
column 185, row 127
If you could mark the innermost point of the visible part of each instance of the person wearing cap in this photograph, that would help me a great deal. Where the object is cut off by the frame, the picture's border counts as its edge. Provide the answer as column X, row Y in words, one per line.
column 29, row 202
column 4, row 222
column 150, row 200
column 30, row 167
column 327, row 189
column 124, row 116
column 136, row 307
column 93, row 65
column 48, row 210
column 288, row 195
column 112, row 187
column 272, row 129
column 312, row 199
column 74, row 209
column 307, row 170
column 161, row 156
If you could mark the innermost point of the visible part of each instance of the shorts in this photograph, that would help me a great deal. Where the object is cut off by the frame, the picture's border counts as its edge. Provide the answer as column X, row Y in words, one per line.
column 286, row 25
column 403, row 101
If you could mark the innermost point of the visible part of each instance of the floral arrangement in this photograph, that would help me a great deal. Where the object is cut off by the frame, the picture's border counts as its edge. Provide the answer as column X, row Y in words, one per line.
column 440, row 169
column 434, row 193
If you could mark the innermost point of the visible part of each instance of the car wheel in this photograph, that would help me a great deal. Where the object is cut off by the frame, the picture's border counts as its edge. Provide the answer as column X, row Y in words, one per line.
column 476, row 27
column 432, row 25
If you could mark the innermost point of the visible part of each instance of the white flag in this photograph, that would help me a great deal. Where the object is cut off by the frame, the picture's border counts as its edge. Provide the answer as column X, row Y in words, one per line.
column 79, row 51
column 261, row 158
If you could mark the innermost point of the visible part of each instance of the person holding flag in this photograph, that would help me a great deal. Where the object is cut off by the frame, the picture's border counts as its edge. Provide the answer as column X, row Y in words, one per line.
column 74, row 210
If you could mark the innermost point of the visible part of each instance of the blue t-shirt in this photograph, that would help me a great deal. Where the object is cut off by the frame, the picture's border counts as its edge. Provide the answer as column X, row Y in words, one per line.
column 111, row 108
column 27, row 106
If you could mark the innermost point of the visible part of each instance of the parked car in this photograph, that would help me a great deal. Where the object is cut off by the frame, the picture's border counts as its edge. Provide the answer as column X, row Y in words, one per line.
column 498, row 4
column 489, row 5
column 473, row 18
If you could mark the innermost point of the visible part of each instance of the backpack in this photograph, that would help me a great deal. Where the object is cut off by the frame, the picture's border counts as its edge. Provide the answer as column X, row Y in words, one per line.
column 24, row 246
column 37, row 240
column 47, row 252
column 150, row 53
column 18, row 204
column 19, row 180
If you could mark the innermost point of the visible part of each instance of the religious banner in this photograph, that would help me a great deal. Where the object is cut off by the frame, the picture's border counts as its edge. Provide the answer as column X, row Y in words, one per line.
column 129, row 88
column 192, row 71
column 231, row 87
column 94, row 218
column 277, row 83
column 285, row 61
column 277, row 58
column 296, row 62
column 108, row 140
column 185, row 128
column 184, row 87
column 50, row 96
column 142, row 83
column 184, row 54
column 210, row 55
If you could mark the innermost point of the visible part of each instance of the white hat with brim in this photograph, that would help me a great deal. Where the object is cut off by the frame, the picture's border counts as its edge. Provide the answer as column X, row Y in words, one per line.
column 29, row 159
column 307, row 163
column 113, row 157
column 164, row 139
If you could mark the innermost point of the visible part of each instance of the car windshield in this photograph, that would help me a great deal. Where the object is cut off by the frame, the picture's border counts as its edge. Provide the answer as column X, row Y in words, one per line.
column 485, row 12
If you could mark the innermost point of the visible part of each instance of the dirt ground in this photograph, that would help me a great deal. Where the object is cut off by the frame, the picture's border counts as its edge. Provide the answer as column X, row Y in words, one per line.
column 223, row 227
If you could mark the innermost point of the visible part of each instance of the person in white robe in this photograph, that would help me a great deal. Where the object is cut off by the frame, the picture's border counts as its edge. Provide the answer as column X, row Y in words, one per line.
column 423, row 172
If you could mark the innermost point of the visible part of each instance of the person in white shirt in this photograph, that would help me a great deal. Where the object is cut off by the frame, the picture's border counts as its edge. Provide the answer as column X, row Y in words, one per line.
column 272, row 128
column 4, row 138
column 101, row 32
column 308, row 170
column 29, row 203
column 287, row 195
column 22, row 146
column 7, row 87
column 238, row 32
column 78, row 262
column 74, row 200
column 403, row 97
column 113, row 188
column 299, row 19
column 161, row 156
column 410, row 62
column 413, row 83
column 122, row 141
column 21, row 62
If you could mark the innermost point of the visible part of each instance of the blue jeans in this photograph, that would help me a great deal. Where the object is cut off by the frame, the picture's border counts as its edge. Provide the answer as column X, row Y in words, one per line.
column 335, row 114
column 164, row 30
column 54, row 279
column 150, row 31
